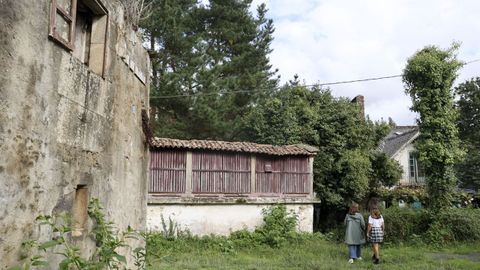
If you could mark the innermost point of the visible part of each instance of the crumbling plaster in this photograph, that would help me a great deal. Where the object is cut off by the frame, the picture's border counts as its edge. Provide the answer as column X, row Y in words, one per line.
column 62, row 125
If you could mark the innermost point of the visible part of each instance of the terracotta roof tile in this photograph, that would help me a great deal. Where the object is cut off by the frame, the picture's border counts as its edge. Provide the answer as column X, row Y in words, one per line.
column 246, row 147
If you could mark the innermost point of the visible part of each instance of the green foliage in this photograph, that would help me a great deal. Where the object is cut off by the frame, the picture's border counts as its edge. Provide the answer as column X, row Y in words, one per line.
column 313, row 251
column 170, row 230
column 431, row 227
column 278, row 225
column 385, row 171
column 405, row 224
column 428, row 77
column 107, row 239
column 408, row 194
column 297, row 114
column 279, row 228
column 105, row 255
column 463, row 223
column 212, row 53
column 468, row 105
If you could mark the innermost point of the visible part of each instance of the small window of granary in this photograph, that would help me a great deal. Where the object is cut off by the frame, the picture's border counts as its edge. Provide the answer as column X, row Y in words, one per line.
column 81, row 27
column 79, row 211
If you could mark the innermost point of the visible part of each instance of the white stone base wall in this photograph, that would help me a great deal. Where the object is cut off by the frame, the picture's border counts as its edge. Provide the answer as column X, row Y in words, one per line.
column 220, row 219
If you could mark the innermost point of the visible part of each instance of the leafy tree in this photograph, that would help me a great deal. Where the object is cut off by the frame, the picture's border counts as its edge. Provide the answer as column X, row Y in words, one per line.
column 385, row 171
column 296, row 114
column 428, row 77
column 468, row 105
column 208, row 55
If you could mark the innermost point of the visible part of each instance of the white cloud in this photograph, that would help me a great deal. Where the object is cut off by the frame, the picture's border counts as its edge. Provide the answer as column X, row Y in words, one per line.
column 336, row 40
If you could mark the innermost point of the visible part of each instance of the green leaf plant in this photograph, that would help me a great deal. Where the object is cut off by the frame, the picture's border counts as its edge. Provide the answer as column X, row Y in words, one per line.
column 107, row 242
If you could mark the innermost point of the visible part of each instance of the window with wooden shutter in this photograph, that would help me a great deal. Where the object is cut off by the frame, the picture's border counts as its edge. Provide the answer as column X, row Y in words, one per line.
column 81, row 27
column 62, row 22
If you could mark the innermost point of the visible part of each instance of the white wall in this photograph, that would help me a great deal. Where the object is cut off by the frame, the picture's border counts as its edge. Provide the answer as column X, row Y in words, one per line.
column 403, row 158
column 221, row 219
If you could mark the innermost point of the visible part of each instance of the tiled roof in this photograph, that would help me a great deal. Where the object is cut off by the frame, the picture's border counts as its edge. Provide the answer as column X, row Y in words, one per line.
column 247, row 147
column 397, row 138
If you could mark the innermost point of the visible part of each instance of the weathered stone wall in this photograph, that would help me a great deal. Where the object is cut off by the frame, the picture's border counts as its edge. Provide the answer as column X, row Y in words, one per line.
column 220, row 219
column 62, row 125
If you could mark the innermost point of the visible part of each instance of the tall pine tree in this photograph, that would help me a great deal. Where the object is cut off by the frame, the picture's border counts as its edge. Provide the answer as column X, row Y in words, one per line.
column 216, row 58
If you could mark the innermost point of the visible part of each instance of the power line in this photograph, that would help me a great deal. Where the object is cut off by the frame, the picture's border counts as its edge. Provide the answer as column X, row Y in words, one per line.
column 279, row 87
column 473, row 61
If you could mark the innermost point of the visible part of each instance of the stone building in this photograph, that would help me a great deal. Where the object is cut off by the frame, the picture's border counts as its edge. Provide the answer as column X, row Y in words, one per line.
column 73, row 83
column 217, row 187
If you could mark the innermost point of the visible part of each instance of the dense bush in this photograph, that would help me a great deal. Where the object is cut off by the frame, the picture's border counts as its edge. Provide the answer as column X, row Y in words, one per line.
column 407, row 194
column 423, row 226
column 464, row 224
column 278, row 226
column 405, row 224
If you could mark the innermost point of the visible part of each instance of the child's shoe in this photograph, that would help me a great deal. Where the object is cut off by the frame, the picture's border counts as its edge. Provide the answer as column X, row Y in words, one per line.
column 350, row 261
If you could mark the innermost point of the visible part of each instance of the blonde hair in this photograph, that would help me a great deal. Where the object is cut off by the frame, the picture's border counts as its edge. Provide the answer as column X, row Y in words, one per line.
column 353, row 208
column 375, row 213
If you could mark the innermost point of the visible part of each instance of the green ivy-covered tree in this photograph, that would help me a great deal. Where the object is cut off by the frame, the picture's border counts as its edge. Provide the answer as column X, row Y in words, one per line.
column 428, row 77
column 468, row 105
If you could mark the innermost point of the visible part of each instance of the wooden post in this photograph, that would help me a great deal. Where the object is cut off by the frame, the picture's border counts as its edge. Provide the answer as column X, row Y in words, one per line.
column 253, row 161
column 188, row 173
column 310, row 170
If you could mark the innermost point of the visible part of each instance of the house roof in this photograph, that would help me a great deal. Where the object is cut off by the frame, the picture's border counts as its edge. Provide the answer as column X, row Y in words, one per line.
column 245, row 147
column 398, row 138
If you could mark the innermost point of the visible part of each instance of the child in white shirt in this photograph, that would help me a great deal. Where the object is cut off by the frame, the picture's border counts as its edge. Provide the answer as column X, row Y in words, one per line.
column 375, row 232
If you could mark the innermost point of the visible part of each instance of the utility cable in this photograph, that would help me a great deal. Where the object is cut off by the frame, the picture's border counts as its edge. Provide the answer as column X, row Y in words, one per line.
column 279, row 87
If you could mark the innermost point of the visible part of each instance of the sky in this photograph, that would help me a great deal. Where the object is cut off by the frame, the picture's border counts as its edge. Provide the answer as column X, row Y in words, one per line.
column 336, row 40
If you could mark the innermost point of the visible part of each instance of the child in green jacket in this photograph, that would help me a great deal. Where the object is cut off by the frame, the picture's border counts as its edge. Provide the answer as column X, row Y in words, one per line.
column 354, row 236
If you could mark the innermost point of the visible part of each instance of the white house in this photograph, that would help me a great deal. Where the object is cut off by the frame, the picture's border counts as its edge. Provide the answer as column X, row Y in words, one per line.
column 399, row 145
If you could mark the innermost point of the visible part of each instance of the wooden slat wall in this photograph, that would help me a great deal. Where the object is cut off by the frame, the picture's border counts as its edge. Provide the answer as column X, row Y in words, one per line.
column 289, row 175
column 295, row 176
column 217, row 172
column 268, row 182
column 167, row 171
column 227, row 173
column 237, row 173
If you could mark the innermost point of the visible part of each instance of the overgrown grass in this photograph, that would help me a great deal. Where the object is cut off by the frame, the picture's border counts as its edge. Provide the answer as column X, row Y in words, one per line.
column 303, row 252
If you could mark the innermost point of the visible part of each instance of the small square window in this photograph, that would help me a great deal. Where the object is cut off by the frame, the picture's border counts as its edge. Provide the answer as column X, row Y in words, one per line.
column 268, row 167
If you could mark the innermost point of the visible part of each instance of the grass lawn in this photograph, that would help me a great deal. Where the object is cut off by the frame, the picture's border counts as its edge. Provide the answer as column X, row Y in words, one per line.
column 314, row 253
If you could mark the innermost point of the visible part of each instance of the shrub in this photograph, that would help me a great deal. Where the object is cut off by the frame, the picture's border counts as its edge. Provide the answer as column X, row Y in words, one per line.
column 278, row 225
column 107, row 238
column 407, row 194
column 404, row 224
column 463, row 224
column 424, row 226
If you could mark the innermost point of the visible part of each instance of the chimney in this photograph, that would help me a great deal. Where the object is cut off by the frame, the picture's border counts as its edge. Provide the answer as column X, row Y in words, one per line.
column 360, row 101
